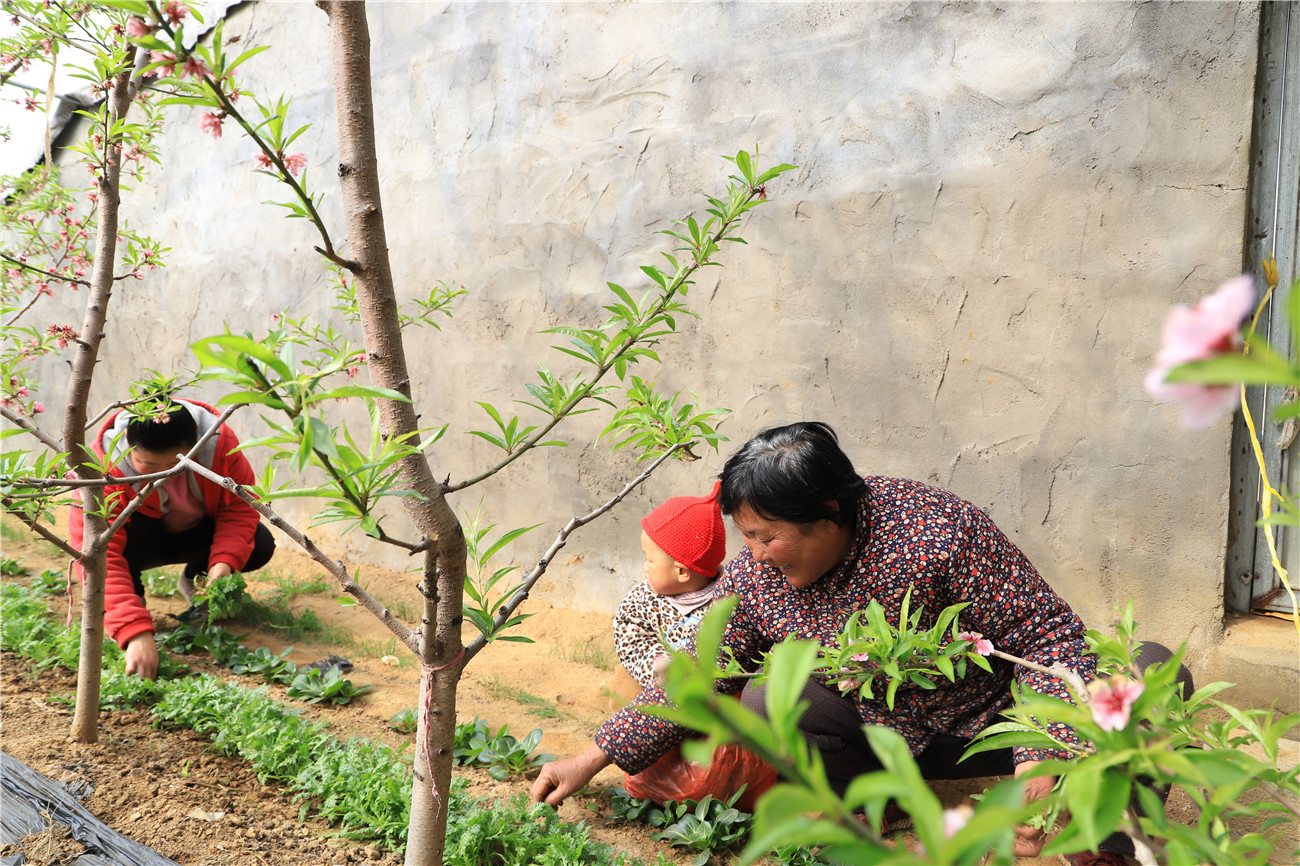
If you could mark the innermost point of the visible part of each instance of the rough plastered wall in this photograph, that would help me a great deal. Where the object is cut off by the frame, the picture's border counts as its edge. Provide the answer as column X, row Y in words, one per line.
column 994, row 208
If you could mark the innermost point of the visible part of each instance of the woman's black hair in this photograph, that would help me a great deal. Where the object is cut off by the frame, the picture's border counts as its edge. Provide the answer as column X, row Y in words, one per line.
column 795, row 473
column 163, row 433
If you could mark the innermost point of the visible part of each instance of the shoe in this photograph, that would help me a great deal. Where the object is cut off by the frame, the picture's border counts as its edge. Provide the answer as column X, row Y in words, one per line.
column 186, row 583
column 1094, row 858
column 895, row 820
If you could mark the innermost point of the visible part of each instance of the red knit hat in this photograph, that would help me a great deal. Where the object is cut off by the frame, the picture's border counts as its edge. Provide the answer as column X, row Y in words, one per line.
column 690, row 530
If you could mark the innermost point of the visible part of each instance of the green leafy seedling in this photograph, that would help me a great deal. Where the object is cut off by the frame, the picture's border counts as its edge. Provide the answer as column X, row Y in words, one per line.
column 180, row 640
column 404, row 722
column 625, row 807
column 261, row 662
column 222, row 644
column 710, row 826
column 330, row 687
column 227, row 596
column 51, row 581
column 504, row 755
column 463, row 751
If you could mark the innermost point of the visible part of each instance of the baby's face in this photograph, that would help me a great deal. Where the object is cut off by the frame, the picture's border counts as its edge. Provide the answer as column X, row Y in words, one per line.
column 661, row 572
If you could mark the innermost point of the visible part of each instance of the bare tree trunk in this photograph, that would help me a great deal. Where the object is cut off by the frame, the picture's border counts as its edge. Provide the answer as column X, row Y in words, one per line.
column 94, row 540
column 441, row 650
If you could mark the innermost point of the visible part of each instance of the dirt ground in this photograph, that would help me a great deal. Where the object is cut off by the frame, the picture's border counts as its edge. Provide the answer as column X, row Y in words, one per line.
column 166, row 790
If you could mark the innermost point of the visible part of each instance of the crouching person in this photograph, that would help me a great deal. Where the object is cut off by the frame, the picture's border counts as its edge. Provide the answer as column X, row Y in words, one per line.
column 188, row 520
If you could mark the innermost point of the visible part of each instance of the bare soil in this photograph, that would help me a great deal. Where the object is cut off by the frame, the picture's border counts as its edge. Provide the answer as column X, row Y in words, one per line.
column 165, row 789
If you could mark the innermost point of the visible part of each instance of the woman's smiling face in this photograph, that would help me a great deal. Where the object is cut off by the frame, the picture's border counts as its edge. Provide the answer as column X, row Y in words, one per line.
column 801, row 552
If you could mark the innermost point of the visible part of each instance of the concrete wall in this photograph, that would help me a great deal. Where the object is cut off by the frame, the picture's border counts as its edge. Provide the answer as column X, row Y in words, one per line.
column 994, row 208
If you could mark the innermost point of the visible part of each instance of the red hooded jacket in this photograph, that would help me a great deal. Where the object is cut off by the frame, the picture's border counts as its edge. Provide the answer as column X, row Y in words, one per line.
column 125, row 615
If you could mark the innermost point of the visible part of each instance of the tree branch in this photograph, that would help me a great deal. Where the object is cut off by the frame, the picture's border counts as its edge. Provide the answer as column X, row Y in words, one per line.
column 682, row 279
column 1060, row 672
column 126, row 404
column 22, row 421
column 333, row 566
column 530, row 580
column 43, row 532
column 346, row 264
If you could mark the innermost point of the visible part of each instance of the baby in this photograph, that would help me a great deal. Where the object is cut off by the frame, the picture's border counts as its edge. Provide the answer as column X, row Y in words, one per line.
column 684, row 543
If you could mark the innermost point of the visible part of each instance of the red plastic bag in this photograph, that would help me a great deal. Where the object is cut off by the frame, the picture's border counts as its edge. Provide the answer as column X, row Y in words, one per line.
column 673, row 777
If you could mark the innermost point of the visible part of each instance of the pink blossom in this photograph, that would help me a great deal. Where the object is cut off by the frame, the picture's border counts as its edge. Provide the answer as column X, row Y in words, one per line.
column 176, row 11
column 22, row 391
column 37, row 408
column 295, row 163
column 210, row 122
column 1112, row 700
column 136, row 27
column 63, row 334
column 166, row 58
column 263, row 161
column 352, row 372
column 1193, row 334
column 956, row 818
column 194, row 66
column 979, row 643
column 861, row 657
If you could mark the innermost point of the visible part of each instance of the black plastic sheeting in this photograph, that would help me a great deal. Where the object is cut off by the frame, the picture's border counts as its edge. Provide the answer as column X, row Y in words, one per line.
column 31, row 803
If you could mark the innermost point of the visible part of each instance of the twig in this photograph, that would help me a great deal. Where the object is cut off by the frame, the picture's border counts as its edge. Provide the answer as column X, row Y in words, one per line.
column 679, row 283
column 35, row 526
column 530, row 580
column 126, row 404
column 63, row 278
column 346, row 264
column 333, row 566
column 412, row 547
column 31, row 427
column 1060, row 672
column 1145, row 848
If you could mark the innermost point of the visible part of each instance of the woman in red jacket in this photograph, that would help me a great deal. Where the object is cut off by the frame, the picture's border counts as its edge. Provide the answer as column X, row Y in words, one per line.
column 189, row 519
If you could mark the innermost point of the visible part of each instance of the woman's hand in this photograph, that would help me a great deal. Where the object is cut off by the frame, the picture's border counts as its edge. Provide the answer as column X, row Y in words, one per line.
column 1030, row 840
column 142, row 656
column 561, row 779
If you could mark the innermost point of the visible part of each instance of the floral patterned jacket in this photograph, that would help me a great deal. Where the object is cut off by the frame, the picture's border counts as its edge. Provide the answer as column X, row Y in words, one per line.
column 907, row 535
column 644, row 619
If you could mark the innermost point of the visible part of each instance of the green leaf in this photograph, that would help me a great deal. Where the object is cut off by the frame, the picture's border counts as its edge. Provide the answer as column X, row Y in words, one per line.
column 506, row 539
column 240, row 398
column 360, row 391
column 746, row 166
column 1232, row 370
column 774, row 171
